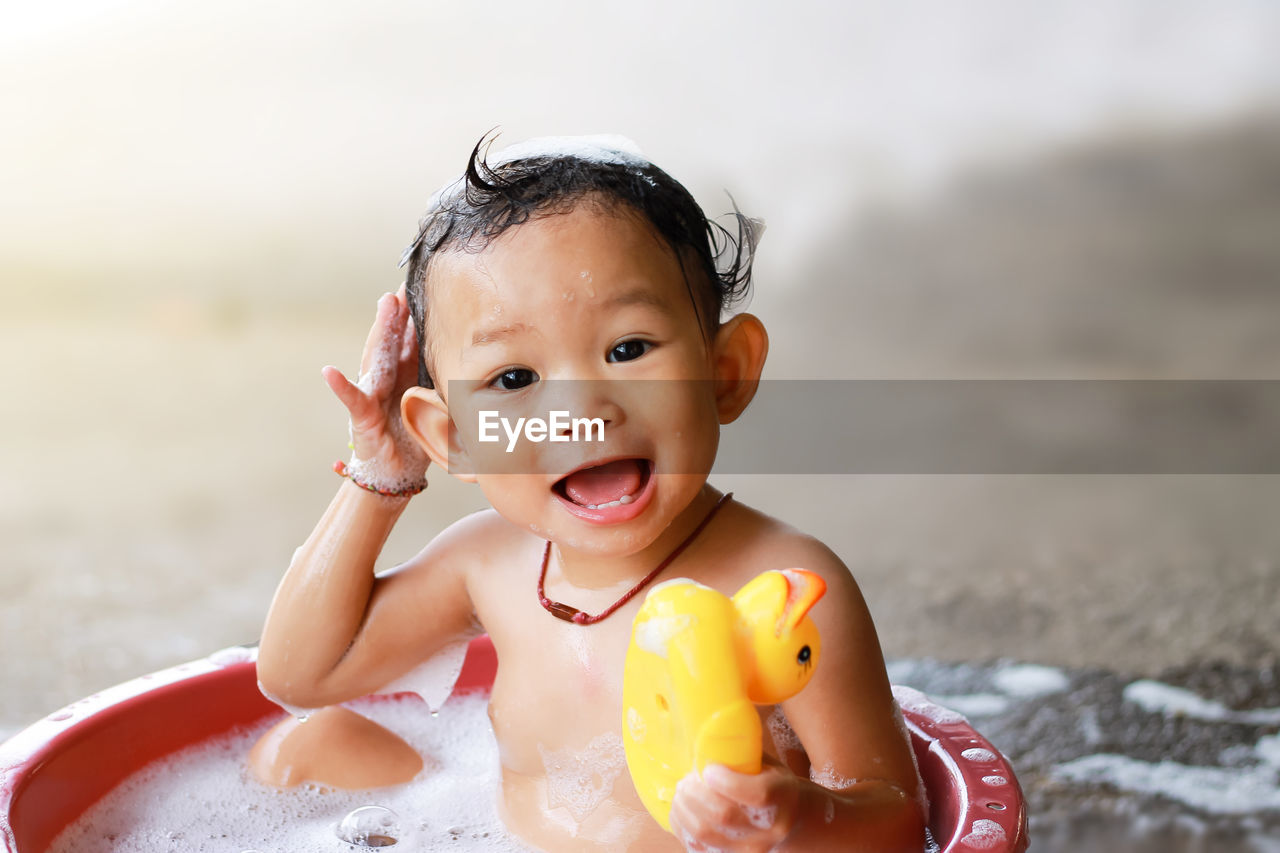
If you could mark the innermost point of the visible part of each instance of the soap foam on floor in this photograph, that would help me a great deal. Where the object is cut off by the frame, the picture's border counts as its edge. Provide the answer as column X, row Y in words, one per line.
column 202, row 800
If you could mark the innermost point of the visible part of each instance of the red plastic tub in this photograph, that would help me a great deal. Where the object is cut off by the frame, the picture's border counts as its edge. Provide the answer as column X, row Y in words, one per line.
column 55, row 769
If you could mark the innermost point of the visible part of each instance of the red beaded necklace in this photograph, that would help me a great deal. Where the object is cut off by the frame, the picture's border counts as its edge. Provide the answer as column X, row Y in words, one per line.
column 572, row 614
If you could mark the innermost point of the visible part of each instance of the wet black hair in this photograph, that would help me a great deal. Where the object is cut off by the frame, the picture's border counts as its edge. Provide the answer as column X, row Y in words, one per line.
column 488, row 200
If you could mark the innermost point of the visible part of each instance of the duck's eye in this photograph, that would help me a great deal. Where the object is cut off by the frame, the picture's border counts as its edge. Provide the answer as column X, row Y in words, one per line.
column 514, row 379
column 804, row 655
column 629, row 350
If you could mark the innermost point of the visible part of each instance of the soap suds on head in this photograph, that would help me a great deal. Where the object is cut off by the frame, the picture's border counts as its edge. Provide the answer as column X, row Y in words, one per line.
column 597, row 148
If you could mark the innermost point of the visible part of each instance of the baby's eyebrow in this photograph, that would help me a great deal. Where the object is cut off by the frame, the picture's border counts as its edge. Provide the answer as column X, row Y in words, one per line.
column 638, row 296
column 491, row 336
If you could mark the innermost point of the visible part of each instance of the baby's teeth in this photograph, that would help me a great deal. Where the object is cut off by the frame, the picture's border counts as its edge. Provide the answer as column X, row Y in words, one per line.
column 622, row 501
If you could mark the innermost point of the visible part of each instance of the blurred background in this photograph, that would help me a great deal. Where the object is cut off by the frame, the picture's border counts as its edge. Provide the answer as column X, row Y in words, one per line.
column 200, row 204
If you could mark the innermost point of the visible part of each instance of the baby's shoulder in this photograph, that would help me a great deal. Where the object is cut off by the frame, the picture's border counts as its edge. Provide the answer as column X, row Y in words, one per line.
column 754, row 542
column 480, row 541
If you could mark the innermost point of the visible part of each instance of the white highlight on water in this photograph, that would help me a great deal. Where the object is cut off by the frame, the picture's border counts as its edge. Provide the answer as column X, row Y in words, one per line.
column 975, row 704
column 203, row 799
column 1217, row 790
column 1026, row 680
column 1156, row 697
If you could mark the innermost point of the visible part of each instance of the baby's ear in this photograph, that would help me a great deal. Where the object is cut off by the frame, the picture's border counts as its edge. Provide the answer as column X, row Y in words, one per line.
column 740, row 349
column 426, row 418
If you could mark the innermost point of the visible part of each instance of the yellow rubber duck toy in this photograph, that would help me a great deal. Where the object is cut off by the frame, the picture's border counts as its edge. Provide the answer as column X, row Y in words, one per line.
column 697, row 665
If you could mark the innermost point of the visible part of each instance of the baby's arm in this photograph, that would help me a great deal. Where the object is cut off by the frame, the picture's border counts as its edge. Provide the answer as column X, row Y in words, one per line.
column 866, row 795
column 335, row 631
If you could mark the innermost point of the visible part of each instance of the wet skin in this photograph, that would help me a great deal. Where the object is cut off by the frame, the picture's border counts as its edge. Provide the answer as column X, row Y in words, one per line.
column 592, row 294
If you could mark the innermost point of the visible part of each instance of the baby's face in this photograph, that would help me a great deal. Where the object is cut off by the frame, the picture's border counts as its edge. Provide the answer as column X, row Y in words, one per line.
column 588, row 313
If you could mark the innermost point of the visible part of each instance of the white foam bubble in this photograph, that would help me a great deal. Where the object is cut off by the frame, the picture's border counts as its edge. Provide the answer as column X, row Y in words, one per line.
column 828, row 777
column 976, row 704
column 1218, row 790
column 1268, row 750
column 922, row 795
column 1026, row 680
column 984, row 835
column 655, row 633
column 636, row 725
column 761, row 817
column 910, row 699
column 298, row 711
column 205, row 800
column 594, row 148
column 1157, row 697
column 433, row 680
column 580, row 779
column 977, row 753
column 784, row 737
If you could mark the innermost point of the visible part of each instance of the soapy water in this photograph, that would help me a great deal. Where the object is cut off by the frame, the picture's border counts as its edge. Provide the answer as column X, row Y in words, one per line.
column 371, row 826
column 1184, row 764
column 581, row 779
column 1187, row 763
column 203, row 800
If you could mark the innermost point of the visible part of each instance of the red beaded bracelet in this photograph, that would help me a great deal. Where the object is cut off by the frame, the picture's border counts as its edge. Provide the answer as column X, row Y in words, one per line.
column 341, row 469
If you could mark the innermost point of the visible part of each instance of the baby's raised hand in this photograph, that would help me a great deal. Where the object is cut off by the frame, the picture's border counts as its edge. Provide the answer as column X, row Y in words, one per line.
column 384, row 454
column 725, row 810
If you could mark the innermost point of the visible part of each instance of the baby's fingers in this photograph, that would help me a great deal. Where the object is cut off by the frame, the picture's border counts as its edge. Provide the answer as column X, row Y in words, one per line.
column 358, row 404
column 381, row 357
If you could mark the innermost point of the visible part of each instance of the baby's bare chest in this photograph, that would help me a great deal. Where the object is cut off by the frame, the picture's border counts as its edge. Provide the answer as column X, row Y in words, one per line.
column 558, row 690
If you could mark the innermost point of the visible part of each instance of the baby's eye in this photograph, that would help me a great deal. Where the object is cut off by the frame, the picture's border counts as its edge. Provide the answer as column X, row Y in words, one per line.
column 629, row 350
column 514, row 379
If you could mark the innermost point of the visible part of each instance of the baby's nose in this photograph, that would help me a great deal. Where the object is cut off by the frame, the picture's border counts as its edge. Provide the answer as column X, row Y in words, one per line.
column 588, row 400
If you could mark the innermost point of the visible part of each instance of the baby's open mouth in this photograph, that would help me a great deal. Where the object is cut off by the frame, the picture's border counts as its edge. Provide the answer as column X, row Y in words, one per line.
column 605, row 486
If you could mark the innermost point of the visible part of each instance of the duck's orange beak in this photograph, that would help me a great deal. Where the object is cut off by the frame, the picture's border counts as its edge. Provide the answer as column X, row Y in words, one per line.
column 804, row 588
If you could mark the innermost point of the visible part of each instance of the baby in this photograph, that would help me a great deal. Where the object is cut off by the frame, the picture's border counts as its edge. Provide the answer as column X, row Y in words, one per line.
column 573, row 260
